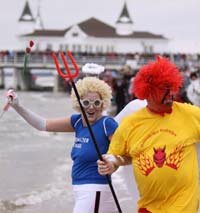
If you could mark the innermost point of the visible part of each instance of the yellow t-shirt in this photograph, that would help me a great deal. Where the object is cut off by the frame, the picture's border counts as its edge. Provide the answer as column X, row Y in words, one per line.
column 163, row 152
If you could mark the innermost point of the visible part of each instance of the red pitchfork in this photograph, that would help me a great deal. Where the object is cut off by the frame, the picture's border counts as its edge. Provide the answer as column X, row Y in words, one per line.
column 71, row 77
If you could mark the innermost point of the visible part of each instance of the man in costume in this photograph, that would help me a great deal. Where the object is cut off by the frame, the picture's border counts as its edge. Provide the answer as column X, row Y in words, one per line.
column 160, row 142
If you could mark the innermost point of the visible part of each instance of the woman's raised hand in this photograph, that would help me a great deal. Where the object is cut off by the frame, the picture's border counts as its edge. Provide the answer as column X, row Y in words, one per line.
column 12, row 98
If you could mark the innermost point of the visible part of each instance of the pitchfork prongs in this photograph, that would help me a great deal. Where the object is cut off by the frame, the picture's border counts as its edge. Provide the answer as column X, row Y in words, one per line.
column 68, row 74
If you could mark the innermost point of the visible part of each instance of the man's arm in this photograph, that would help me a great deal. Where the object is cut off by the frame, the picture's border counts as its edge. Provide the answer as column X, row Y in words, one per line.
column 111, row 163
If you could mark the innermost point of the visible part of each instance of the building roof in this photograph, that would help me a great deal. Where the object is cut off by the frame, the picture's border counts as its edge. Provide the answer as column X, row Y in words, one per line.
column 95, row 28
column 46, row 33
column 26, row 14
column 124, row 16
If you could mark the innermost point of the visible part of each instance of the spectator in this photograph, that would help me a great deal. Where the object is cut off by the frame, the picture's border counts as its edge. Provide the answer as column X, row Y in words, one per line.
column 193, row 90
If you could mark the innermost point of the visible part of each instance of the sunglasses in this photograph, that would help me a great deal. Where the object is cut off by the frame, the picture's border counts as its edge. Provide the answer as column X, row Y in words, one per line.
column 96, row 103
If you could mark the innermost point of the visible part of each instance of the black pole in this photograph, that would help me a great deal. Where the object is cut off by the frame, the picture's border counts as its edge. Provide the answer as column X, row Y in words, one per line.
column 83, row 111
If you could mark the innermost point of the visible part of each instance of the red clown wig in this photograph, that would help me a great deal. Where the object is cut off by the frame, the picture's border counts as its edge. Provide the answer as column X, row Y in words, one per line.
column 158, row 75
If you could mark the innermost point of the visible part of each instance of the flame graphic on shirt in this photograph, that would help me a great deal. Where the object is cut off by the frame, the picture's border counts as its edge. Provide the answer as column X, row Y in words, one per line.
column 147, row 164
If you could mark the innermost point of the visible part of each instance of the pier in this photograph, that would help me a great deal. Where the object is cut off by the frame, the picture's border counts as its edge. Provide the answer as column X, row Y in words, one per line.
column 24, row 81
column 44, row 61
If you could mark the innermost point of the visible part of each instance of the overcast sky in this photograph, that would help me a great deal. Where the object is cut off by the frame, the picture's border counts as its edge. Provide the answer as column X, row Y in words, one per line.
column 178, row 20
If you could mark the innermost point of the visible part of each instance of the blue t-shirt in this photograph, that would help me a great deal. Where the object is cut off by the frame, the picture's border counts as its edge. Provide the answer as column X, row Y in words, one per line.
column 84, row 154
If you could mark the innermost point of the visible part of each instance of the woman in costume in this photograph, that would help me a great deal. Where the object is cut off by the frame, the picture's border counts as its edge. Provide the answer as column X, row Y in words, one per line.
column 91, row 190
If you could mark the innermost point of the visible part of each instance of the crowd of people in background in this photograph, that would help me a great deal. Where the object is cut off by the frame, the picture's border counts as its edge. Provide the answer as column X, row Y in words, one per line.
column 122, row 86
column 180, row 59
column 120, row 80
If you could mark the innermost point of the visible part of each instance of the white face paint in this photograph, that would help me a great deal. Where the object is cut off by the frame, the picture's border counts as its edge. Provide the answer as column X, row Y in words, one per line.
column 93, row 106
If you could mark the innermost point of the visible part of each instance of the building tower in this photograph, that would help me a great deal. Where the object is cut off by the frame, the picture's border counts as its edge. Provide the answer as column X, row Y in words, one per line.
column 39, row 23
column 124, row 24
column 26, row 20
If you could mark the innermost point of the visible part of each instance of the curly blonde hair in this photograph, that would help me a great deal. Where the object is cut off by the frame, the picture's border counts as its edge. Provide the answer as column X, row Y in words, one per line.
column 92, row 84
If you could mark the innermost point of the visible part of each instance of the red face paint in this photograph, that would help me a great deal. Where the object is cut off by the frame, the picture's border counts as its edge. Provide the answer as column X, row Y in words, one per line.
column 160, row 101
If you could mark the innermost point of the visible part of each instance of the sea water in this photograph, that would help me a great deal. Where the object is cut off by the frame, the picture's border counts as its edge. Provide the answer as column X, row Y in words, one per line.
column 35, row 166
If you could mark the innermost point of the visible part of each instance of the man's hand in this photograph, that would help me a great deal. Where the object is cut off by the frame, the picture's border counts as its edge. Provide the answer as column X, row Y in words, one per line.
column 107, row 166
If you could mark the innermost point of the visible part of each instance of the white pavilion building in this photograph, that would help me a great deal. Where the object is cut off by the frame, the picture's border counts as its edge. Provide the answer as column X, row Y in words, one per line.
column 90, row 36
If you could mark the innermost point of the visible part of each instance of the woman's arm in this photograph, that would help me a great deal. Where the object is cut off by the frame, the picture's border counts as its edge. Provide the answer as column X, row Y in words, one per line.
column 59, row 125
column 37, row 121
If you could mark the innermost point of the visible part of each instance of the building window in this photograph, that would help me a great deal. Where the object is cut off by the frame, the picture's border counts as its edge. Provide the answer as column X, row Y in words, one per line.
column 101, row 49
column 86, row 48
column 66, row 47
column 108, row 49
column 150, row 49
column 90, row 48
column 49, row 47
column 37, row 47
column 144, row 47
column 97, row 49
column 79, row 48
column 61, row 47
column 112, row 49
column 74, row 34
column 74, row 48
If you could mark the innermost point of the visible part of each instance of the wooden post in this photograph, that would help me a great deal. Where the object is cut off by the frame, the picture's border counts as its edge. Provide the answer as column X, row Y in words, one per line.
column 26, row 80
column 2, row 79
column 58, row 83
column 16, row 79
